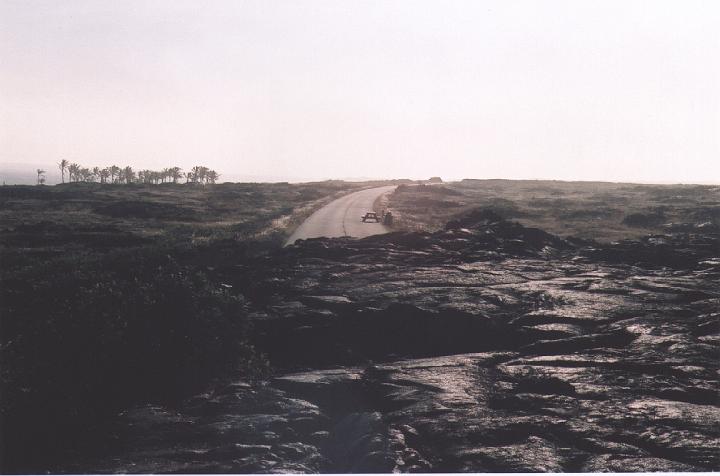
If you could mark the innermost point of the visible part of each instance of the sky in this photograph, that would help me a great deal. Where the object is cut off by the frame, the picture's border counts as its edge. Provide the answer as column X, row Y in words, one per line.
column 309, row 90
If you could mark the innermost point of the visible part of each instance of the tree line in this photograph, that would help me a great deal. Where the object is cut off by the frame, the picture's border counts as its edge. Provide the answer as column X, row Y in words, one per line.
column 115, row 174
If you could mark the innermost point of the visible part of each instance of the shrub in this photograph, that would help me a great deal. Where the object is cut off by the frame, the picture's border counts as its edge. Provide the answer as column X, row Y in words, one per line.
column 651, row 219
column 147, row 209
column 81, row 340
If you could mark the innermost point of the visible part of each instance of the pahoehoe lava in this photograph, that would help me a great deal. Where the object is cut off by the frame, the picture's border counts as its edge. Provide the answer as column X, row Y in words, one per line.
column 486, row 346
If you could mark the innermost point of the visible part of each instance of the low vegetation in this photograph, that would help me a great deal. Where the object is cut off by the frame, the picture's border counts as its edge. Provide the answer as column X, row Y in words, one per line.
column 591, row 210
column 84, row 338
column 109, row 299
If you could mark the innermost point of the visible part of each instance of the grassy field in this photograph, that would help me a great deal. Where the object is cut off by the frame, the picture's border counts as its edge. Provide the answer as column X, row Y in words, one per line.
column 87, row 216
column 593, row 210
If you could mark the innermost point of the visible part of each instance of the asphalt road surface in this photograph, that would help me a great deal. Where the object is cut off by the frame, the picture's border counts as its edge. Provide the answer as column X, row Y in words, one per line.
column 342, row 217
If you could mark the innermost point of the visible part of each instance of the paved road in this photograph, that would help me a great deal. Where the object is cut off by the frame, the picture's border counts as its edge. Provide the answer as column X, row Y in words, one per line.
column 342, row 217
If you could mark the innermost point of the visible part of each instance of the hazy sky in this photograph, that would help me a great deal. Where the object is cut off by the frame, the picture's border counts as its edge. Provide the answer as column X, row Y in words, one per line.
column 606, row 90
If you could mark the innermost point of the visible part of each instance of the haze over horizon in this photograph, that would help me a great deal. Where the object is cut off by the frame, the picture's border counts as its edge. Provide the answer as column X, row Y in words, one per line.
column 308, row 90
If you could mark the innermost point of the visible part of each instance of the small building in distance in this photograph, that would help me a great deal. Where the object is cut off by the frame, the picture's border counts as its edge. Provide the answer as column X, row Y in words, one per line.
column 435, row 180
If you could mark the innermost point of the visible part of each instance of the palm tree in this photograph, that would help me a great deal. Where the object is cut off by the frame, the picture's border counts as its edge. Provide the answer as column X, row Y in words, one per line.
column 129, row 174
column 73, row 170
column 203, row 173
column 104, row 174
column 85, row 174
column 195, row 173
column 63, row 165
column 114, row 172
column 95, row 173
column 146, row 176
column 40, row 176
column 212, row 176
column 175, row 174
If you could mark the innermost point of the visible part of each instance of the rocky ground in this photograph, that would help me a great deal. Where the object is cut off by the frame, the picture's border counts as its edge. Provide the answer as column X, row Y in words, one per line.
column 486, row 346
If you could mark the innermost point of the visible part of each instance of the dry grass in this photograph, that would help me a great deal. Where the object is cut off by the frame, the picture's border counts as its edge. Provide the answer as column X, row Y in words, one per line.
column 84, row 217
column 594, row 210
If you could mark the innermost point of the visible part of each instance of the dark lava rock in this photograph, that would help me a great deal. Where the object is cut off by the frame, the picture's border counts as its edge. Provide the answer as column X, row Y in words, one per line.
column 474, row 219
column 259, row 429
column 486, row 346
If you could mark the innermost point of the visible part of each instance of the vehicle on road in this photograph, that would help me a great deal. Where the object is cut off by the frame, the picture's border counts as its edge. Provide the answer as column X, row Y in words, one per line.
column 370, row 216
